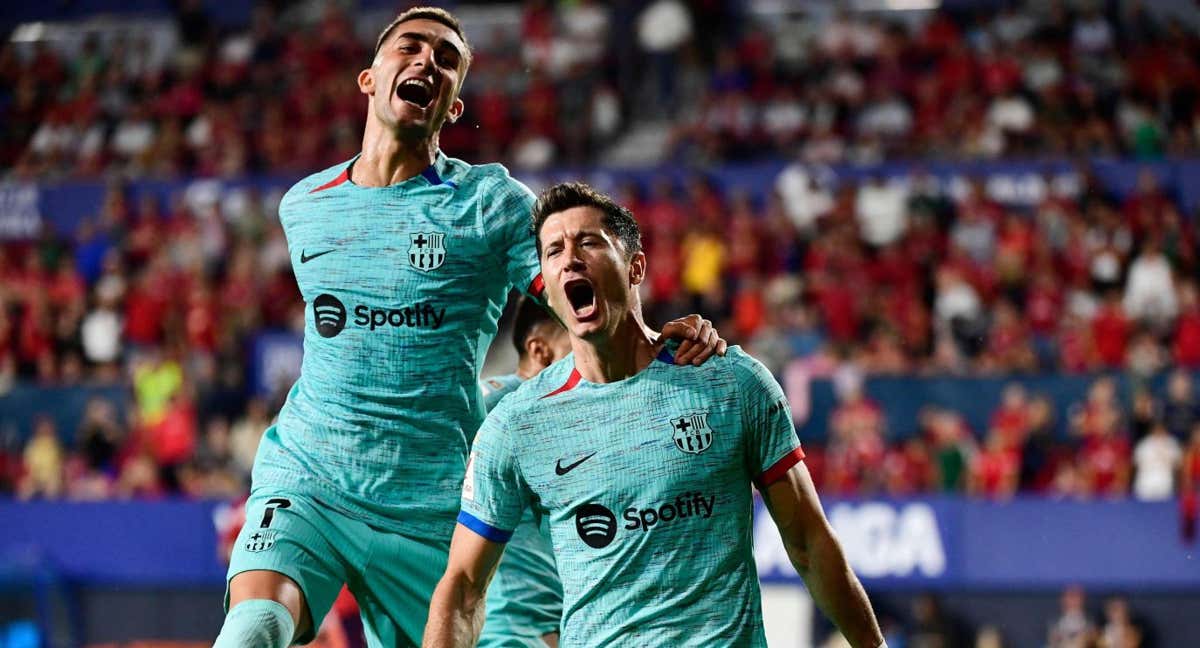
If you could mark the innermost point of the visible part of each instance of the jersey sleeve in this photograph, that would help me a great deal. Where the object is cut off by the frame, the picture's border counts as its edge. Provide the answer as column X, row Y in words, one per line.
column 772, row 447
column 493, row 390
column 508, row 218
column 494, row 493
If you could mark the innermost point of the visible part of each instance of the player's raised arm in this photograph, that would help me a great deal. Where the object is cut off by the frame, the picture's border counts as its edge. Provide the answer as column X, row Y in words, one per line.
column 818, row 557
column 457, row 609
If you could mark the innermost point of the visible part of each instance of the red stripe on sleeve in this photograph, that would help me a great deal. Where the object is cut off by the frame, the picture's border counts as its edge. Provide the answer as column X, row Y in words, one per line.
column 777, row 471
column 567, row 386
column 342, row 177
column 537, row 286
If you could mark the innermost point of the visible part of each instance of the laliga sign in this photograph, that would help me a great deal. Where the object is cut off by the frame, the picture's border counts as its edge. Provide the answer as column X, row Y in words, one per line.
column 880, row 540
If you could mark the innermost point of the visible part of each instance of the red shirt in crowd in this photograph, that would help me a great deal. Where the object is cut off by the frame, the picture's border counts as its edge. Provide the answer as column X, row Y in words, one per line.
column 1110, row 334
column 1043, row 306
column 1011, row 423
column 173, row 440
column 994, row 472
column 145, row 311
column 1105, row 462
column 1187, row 339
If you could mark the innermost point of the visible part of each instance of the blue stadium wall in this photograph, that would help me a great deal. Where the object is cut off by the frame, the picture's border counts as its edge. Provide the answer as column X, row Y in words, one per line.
column 114, row 571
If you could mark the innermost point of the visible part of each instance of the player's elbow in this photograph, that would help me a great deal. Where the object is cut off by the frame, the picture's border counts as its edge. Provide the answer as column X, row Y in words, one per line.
column 462, row 592
column 815, row 545
column 798, row 541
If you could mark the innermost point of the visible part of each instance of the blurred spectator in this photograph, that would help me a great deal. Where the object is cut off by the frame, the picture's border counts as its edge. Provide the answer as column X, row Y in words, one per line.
column 1119, row 630
column 994, row 472
column 1104, row 461
column 1144, row 415
column 210, row 473
column 245, row 435
column 44, row 457
column 989, row 637
column 1182, row 409
column 1156, row 460
column 1189, row 477
column 931, row 626
column 100, row 331
column 100, row 436
column 881, row 212
column 856, row 445
column 952, row 446
column 139, row 477
column 1150, row 289
column 1072, row 628
column 1186, row 347
column 1041, row 454
column 908, row 469
column 172, row 440
column 156, row 380
column 1110, row 333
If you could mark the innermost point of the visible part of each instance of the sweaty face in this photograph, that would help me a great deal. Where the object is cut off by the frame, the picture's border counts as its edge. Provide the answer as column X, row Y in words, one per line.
column 413, row 83
column 590, row 283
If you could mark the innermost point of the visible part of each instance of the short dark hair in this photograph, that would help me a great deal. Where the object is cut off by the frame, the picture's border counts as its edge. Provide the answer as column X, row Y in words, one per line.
column 530, row 316
column 436, row 14
column 618, row 220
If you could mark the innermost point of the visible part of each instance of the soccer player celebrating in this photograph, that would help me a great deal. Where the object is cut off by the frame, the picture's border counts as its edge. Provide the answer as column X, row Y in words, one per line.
column 524, row 601
column 405, row 258
column 643, row 469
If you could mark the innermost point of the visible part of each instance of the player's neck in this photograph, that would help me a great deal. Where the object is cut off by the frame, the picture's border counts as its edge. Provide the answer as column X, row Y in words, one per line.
column 387, row 159
column 614, row 357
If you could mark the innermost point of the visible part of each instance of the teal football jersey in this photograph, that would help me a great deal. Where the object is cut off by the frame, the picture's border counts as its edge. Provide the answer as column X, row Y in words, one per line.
column 496, row 388
column 524, row 600
column 646, row 484
column 403, row 287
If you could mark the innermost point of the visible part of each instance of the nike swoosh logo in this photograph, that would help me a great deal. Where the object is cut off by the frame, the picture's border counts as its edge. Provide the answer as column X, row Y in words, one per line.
column 305, row 258
column 561, row 470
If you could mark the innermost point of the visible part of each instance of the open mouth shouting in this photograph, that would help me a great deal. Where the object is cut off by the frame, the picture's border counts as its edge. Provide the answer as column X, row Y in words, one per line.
column 582, row 298
column 416, row 91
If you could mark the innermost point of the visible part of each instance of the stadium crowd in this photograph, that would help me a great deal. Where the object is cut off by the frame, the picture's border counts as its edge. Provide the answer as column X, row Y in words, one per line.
column 167, row 297
column 820, row 278
column 278, row 95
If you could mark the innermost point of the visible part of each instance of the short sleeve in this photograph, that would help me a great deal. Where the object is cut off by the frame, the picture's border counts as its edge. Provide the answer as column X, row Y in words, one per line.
column 493, row 493
column 493, row 390
column 772, row 447
column 508, row 220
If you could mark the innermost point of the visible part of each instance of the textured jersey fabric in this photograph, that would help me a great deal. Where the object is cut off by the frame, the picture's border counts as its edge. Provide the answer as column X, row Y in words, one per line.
column 403, row 286
column 524, row 599
column 646, row 484
column 496, row 388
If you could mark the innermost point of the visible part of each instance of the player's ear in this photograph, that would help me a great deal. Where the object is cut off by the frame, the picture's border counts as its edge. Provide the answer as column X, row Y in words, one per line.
column 366, row 82
column 536, row 348
column 456, row 110
column 637, row 268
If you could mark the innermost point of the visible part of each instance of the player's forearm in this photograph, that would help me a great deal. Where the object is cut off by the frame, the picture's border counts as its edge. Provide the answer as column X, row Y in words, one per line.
column 455, row 614
column 836, row 589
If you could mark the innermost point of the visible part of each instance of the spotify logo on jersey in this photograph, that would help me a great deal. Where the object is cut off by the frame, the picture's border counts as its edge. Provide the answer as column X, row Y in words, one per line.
column 330, row 315
column 597, row 526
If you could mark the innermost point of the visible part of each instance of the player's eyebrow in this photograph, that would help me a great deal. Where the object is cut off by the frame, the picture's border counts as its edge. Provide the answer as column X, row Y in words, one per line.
column 427, row 38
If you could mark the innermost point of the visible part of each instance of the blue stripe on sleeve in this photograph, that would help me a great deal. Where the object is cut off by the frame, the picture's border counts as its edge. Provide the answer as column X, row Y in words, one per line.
column 484, row 529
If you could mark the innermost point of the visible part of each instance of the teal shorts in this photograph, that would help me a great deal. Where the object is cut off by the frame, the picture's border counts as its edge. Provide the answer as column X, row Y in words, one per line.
column 391, row 576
